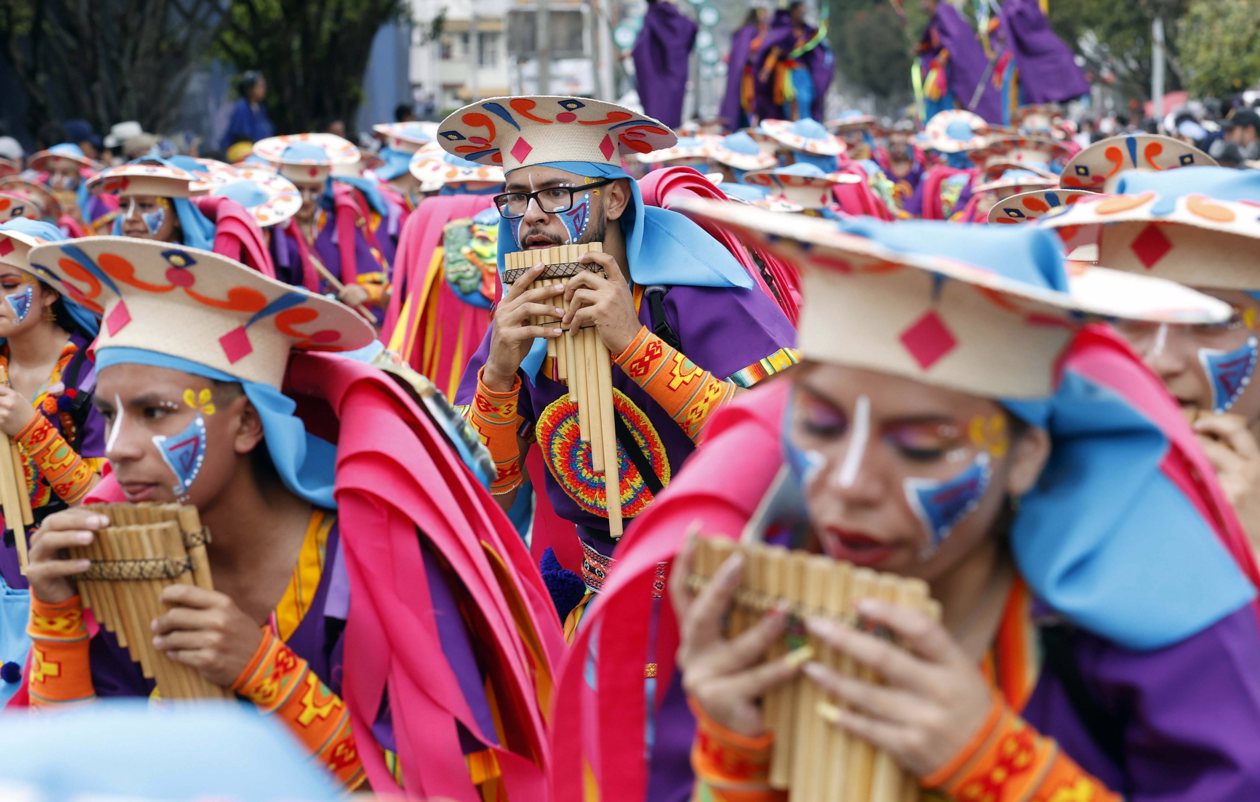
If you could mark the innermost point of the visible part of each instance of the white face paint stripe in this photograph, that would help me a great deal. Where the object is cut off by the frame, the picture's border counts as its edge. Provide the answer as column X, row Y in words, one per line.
column 118, row 424
column 857, row 443
column 1161, row 339
column 131, row 208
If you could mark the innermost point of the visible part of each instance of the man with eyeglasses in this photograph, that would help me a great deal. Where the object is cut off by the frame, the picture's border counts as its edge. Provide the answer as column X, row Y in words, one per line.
column 686, row 326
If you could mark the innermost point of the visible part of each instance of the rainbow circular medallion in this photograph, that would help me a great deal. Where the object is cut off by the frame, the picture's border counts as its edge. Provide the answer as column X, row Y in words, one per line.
column 569, row 459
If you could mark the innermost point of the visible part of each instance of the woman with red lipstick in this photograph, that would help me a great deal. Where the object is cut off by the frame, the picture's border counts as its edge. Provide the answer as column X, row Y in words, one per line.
column 951, row 421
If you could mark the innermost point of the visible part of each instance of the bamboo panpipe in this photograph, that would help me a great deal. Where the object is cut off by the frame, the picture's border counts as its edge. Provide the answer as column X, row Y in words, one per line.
column 813, row 760
column 15, row 497
column 580, row 360
column 145, row 548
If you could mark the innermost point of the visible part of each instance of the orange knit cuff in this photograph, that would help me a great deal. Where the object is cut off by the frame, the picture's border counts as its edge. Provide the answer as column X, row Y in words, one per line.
column 61, row 671
column 730, row 765
column 69, row 475
column 686, row 391
column 281, row 683
column 496, row 418
column 1009, row 761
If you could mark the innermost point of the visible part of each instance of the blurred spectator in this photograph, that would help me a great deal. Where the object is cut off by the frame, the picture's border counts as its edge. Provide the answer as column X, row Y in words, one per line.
column 11, row 149
column 249, row 122
column 80, row 133
column 404, row 113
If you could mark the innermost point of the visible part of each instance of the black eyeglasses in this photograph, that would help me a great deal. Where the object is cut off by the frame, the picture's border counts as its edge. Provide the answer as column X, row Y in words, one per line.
column 513, row 205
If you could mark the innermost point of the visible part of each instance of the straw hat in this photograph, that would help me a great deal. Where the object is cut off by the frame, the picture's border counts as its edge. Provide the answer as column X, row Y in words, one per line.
column 435, row 169
column 955, row 131
column 802, row 185
column 1027, row 206
column 144, row 177
column 48, row 205
column 805, row 135
column 1097, row 166
column 406, row 137
column 740, row 151
column 308, row 158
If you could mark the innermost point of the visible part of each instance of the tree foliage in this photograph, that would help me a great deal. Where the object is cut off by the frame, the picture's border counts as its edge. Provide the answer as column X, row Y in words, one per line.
column 1115, row 38
column 1220, row 46
column 108, row 60
column 312, row 52
column 873, row 50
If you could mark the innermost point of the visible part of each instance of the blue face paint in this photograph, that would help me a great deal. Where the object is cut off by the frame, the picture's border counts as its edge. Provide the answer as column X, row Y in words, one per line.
column 154, row 220
column 1229, row 372
column 575, row 219
column 20, row 302
column 940, row 506
column 184, row 454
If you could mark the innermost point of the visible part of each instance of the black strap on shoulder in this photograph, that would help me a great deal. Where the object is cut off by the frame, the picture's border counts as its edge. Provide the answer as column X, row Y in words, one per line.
column 655, row 296
column 1060, row 659
column 636, row 456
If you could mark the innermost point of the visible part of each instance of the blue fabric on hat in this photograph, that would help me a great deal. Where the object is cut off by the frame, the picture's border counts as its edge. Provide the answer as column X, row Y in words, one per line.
column 305, row 151
column 305, row 463
column 741, row 142
column 246, row 193
column 370, row 189
column 1023, row 253
column 86, row 320
column 663, row 247
column 744, row 191
column 189, row 752
column 1102, row 505
column 68, row 149
column 396, row 164
column 1221, row 183
column 822, row 162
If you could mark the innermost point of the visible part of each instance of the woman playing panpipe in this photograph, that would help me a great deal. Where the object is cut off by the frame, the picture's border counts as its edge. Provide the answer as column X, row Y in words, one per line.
column 298, row 528
column 54, row 439
column 952, row 422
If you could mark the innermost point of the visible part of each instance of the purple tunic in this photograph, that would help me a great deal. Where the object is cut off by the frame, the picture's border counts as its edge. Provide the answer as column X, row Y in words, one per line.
column 89, row 442
column 967, row 65
column 732, row 114
column 326, row 248
column 662, row 55
column 721, row 330
column 817, row 62
column 1047, row 70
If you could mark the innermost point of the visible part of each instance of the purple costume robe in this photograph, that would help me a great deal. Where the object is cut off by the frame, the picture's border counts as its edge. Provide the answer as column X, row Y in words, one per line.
column 744, row 49
column 966, row 66
column 817, row 65
column 1047, row 69
column 662, row 55
column 720, row 330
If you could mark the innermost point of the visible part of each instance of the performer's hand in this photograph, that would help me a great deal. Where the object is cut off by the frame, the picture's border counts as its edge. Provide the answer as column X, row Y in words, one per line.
column 513, row 331
column 935, row 699
column 602, row 301
column 353, row 295
column 48, row 571
column 15, row 411
column 1235, row 455
column 205, row 630
column 726, row 678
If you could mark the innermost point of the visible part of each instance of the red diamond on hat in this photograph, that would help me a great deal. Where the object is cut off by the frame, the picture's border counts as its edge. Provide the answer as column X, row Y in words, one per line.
column 606, row 146
column 1151, row 245
column 118, row 318
column 928, row 340
column 236, row 345
column 6, row 246
column 521, row 149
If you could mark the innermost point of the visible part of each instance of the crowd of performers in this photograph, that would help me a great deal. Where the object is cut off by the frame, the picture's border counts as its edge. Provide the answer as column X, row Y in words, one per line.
column 968, row 353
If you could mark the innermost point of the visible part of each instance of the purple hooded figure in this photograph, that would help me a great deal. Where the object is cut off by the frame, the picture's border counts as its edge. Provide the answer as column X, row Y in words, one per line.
column 794, row 67
column 737, row 103
column 965, row 66
column 661, row 58
column 1047, row 70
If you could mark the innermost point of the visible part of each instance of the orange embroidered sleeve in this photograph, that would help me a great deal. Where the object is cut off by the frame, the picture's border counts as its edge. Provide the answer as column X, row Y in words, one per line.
column 282, row 684
column 69, row 475
column 496, row 418
column 1009, row 761
column 683, row 389
column 61, row 672
column 376, row 285
column 731, row 767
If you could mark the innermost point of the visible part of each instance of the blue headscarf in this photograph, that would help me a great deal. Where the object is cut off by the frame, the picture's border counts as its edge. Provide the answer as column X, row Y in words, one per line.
column 662, row 247
column 397, row 163
column 305, row 463
column 1102, row 505
column 86, row 320
column 197, row 230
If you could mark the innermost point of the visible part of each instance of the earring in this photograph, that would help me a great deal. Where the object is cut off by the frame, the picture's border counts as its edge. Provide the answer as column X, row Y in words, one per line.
column 49, row 314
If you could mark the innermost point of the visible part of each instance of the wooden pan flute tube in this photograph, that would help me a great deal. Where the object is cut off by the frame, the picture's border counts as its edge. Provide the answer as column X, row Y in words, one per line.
column 810, row 763
column 608, row 438
column 10, row 500
column 792, row 586
column 887, row 777
column 165, row 672
column 861, row 754
column 24, row 496
column 835, row 740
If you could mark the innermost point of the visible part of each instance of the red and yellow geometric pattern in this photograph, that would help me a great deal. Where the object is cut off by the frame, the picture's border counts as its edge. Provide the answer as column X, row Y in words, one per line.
column 60, row 669
column 569, row 459
column 496, row 418
column 731, row 767
column 281, row 683
column 683, row 389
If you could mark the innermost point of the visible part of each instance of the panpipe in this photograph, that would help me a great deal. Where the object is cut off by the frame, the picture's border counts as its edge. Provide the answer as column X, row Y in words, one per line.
column 813, row 759
column 581, row 361
column 145, row 548
column 15, row 496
